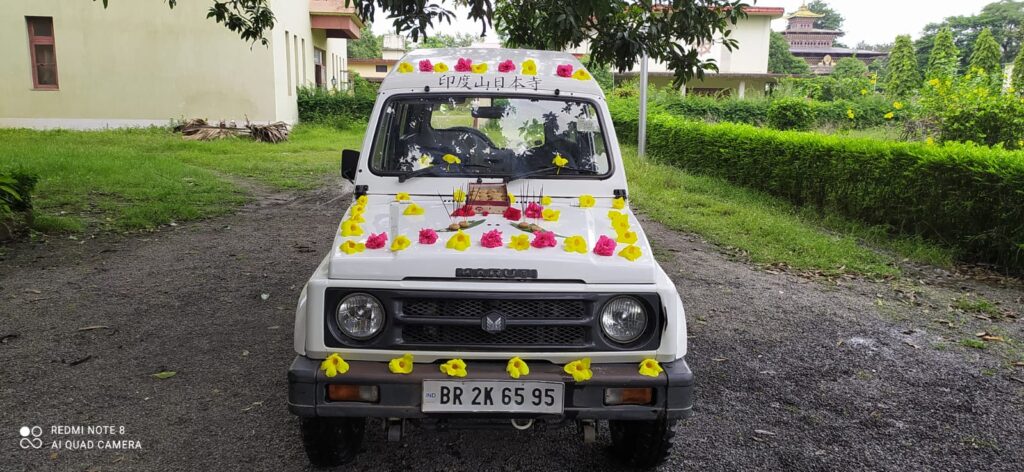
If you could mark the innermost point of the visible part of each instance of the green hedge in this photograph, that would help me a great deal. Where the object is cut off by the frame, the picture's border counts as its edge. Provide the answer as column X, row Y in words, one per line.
column 964, row 196
column 338, row 109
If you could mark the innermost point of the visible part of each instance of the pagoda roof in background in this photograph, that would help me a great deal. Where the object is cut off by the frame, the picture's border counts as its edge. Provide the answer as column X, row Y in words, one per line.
column 804, row 12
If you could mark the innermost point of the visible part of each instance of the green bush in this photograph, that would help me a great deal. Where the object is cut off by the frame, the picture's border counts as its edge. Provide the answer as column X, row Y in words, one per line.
column 16, row 191
column 337, row 109
column 964, row 196
column 751, row 110
column 968, row 109
column 790, row 113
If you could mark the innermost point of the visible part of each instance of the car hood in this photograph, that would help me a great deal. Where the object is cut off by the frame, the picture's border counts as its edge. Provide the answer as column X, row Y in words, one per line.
column 422, row 261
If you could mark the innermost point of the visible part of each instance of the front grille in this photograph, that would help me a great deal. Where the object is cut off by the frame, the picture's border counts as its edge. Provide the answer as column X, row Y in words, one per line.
column 512, row 309
column 556, row 336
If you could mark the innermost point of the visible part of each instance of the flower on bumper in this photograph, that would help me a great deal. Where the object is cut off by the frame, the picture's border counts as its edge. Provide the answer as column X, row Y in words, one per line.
column 413, row 210
column 377, row 241
column 459, row 241
column 579, row 369
column 517, row 367
column 401, row 365
column 519, row 242
column 631, row 253
column 551, row 215
column 650, row 368
column 334, row 365
column 587, row 201
column 400, row 243
column 575, row 244
column 351, row 228
column 351, row 247
column 454, row 368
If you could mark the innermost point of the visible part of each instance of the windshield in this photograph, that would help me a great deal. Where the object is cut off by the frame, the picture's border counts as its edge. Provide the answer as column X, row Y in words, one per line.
column 489, row 136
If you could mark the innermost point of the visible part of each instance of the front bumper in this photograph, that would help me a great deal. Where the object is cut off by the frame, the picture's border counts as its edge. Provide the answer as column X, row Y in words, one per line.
column 400, row 395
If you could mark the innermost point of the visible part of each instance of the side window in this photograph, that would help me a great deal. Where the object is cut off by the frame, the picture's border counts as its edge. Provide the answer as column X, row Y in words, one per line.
column 43, row 52
column 381, row 68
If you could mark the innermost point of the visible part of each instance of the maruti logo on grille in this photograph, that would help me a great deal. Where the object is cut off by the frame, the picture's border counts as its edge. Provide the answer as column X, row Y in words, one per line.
column 493, row 322
column 470, row 273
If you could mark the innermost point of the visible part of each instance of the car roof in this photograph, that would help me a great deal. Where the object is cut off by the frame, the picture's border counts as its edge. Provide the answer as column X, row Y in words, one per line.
column 408, row 75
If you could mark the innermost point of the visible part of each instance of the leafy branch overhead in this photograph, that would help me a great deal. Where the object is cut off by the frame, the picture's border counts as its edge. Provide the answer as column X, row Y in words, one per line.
column 251, row 19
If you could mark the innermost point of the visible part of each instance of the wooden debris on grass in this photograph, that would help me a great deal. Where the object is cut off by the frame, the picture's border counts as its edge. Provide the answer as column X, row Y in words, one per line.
column 198, row 129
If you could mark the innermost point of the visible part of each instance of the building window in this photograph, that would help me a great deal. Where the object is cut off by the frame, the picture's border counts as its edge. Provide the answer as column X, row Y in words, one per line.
column 288, row 60
column 381, row 68
column 43, row 52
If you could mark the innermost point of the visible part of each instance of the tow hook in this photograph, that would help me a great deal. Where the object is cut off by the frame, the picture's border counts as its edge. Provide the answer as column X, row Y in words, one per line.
column 588, row 430
column 394, row 427
column 523, row 426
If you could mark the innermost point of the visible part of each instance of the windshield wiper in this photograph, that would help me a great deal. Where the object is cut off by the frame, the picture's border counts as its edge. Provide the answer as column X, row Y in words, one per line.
column 545, row 170
column 417, row 173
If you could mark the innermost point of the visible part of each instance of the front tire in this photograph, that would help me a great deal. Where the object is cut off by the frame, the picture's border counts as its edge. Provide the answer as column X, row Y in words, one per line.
column 331, row 442
column 643, row 444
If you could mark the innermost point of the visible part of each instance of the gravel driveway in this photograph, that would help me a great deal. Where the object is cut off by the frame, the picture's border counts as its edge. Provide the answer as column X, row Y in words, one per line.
column 793, row 372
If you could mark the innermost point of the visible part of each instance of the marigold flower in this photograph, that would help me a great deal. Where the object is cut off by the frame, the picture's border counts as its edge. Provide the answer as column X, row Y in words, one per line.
column 426, row 66
column 413, row 210
column 545, row 200
column 631, row 253
column 479, row 68
column 459, row 195
column 401, row 196
column 428, row 236
column 451, row 159
column 529, row 67
column 619, row 203
column 650, row 368
column 491, row 239
column 351, row 247
column 400, row 243
column 506, row 66
column 511, row 199
column 564, row 70
column 454, row 368
column 334, row 365
column 463, row 64
column 519, row 242
column 626, row 237
column 440, row 67
column 575, row 244
column 512, row 214
column 559, row 162
column 889, row 115
column 581, row 74
column 401, row 365
column 543, row 239
column 605, row 246
column 551, row 215
column 404, row 68
column 351, row 228
column 376, row 241
column 459, row 241
column 587, row 201
column 517, row 367
column 579, row 369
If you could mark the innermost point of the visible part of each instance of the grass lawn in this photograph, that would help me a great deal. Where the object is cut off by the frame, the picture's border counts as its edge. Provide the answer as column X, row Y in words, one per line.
column 140, row 178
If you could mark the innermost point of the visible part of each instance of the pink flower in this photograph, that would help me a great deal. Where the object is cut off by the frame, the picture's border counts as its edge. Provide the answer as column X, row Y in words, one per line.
column 464, row 210
column 506, row 66
column 491, row 239
column 605, row 246
column 545, row 239
column 564, row 70
column 464, row 65
column 428, row 236
column 533, row 210
column 376, row 241
column 426, row 66
column 512, row 213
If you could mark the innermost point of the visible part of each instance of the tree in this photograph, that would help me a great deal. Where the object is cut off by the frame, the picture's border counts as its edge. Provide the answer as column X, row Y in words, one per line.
column 459, row 40
column 944, row 59
column 1004, row 18
column 987, row 55
column 903, row 78
column 850, row 68
column 251, row 19
column 368, row 46
column 1017, row 77
column 781, row 60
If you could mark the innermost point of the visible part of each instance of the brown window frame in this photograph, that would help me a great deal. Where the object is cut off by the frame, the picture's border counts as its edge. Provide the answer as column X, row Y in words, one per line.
column 33, row 41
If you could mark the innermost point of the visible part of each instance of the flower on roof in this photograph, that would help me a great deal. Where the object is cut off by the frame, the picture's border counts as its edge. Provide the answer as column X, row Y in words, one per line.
column 519, row 242
column 413, row 210
column 491, row 239
column 579, row 369
column 512, row 214
column 459, row 241
column 631, row 253
column 605, row 246
column 463, row 64
column 575, row 244
column 426, row 66
column 533, row 210
column 529, row 67
column 626, row 237
column 401, row 365
column 564, row 70
column 400, row 243
column 334, row 365
column 581, row 74
column 479, row 68
column 401, row 196
column 376, row 241
column 428, row 236
column 551, row 215
column 650, row 368
column 440, row 67
column 351, row 228
column 351, row 247
column 559, row 162
column 517, row 367
column 404, row 68
column 619, row 203
column 587, row 201
column 506, row 66
column 542, row 239
column 451, row 159
column 454, row 368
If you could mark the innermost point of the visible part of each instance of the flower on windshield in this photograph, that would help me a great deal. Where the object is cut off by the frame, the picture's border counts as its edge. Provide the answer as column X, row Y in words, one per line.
column 351, row 247
column 400, row 243
column 454, row 368
column 413, row 210
column 428, row 236
column 401, row 365
column 542, row 239
column 559, row 162
column 631, row 253
column 605, row 246
column 587, row 201
column 650, row 368
column 626, row 237
column 619, row 203
column 463, row 64
column 551, row 215
column 451, row 159
column 529, row 67
column 334, row 365
column 491, row 239
column 579, row 369
column 581, row 74
column 351, row 228
column 533, row 210
column 426, row 66
column 404, row 68
column 512, row 214
column 575, row 244
column 479, row 68
column 519, row 242
column 506, row 66
column 564, row 70
column 377, row 241
column 517, row 367
column 459, row 241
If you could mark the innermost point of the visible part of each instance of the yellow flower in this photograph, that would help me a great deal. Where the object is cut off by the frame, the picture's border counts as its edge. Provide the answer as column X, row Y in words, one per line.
column 440, row 67
column 897, row 105
column 929, row 141
column 459, row 241
column 459, row 195
column 361, row 201
column 351, row 247
column 451, row 159
column 454, row 368
column 478, row 68
column 334, row 365
column 616, row 215
column 650, row 368
column 626, row 237
column 619, row 203
column 356, row 216
column 581, row 74
column 575, row 244
column 404, row 68
column 545, row 200
column 551, row 215
column 863, row 91
column 511, row 199
column 620, row 225
column 529, row 67
column 849, row 113
column 401, row 365
column 559, row 162
column 579, row 369
column 631, row 253
column 519, row 242
column 351, row 228
column 587, row 201
column 401, row 196
column 413, row 210
column 889, row 115
column 873, row 81
column 517, row 367
column 400, row 243
column 934, row 82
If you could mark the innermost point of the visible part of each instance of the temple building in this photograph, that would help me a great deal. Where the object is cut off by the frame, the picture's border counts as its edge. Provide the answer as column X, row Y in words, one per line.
column 817, row 46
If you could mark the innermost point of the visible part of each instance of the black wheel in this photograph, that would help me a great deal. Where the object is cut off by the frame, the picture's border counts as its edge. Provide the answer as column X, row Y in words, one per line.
column 643, row 444
column 332, row 441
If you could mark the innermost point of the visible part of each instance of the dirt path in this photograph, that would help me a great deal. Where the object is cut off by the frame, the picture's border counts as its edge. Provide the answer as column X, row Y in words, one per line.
column 793, row 373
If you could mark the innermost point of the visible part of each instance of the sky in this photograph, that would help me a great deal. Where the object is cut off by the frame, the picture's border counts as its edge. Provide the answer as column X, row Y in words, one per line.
column 874, row 21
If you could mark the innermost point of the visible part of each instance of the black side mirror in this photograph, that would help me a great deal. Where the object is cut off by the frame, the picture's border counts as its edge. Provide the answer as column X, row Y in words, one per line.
column 349, row 162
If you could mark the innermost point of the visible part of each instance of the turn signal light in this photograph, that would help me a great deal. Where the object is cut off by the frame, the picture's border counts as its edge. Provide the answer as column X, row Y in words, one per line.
column 353, row 393
column 628, row 396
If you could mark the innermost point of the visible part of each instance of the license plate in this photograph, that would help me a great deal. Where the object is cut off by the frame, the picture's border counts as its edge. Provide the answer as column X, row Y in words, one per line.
column 492, row 396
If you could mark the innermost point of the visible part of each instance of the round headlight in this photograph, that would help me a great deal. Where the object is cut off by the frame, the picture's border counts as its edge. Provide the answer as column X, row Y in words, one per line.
column 360, row 316
column 624, row 319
